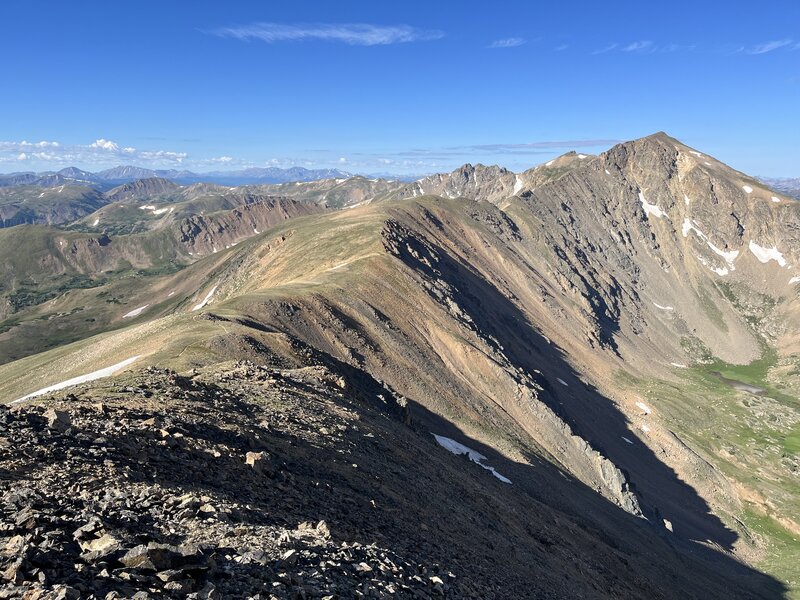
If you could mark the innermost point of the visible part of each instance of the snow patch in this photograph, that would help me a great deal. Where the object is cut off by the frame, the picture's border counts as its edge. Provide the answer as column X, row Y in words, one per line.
column 668, row 525
column 728, row 256
column 154, row 210
column 456, row 448
column 206, row 299
column 776, row 199
column 518, row 185
column 651, row 209
column 697, row 154
column 627, row 440
column 255, row 230
column 645, row 428
column 357, row 204
column 679, row 365
column 135, row 312
column 99, row 374
column 96, row 221
column 549, row 162
column 562, row 382
column 721, row 271
column 747, row 189
column 581, row 156
column 795, row 279
column 647, row 410
column 608, row 172
column 686, row 199
column 765, row 255
column 663, row 307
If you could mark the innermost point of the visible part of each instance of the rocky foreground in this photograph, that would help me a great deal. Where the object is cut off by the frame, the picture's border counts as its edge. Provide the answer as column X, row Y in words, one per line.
column 178, row 487
column 303, row 479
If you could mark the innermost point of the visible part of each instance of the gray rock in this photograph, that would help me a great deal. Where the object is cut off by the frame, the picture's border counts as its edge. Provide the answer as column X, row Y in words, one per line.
column 100, row 548
column 150, row 557
column 57, row 420
column 261, row 463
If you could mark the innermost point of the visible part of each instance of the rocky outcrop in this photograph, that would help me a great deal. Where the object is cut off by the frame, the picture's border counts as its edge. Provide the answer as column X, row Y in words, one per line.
column 202, row 235
column 477, row 182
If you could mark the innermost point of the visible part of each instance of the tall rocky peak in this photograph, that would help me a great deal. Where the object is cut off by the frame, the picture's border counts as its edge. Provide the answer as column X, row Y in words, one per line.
column 655, row 154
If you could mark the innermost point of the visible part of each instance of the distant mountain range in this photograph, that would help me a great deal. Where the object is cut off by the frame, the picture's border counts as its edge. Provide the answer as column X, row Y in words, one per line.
column 124, row 174
column 788, row 185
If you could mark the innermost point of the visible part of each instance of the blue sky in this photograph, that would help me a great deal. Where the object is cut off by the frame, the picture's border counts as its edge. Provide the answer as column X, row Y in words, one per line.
column 398, row 87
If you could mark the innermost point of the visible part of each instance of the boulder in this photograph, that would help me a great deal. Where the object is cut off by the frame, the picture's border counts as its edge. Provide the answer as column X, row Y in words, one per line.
column 57, row 420
column 100, row 548
column 261, row 463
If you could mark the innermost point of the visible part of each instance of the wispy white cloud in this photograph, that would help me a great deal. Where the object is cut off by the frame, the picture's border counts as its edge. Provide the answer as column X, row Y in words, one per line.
column 102, row 144
column 101, row 151
column 453, row 154
column 646, row 46
column 511, row 42
column 678, row 47
column 354, row 34
column 25, row 145
column 771, row 46
column 561, row 47
column 605, row 49
column 536, row 147
column 637, row 46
